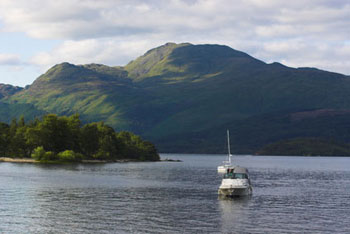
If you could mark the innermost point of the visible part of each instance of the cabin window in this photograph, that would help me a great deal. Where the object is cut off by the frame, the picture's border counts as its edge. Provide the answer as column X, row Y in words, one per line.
column 240, row 176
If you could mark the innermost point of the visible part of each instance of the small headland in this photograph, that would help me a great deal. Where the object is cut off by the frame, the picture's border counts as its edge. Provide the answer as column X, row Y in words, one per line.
column 64, row 139
column 170, row 160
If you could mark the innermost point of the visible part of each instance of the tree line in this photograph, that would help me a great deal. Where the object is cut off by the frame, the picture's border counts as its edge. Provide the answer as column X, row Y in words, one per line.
column 306, row 146
column 64, row 138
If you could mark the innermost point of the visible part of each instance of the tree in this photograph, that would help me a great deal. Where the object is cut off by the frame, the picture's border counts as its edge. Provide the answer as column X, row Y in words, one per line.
column 89, row 142
column 70, row 156
column 33, row 137
column 73, row 132
column 21, row 122
column 40, row 154
column 18, row 146
column 108, row 143
column 4, row 138
column 135, row 147
column 60, row 133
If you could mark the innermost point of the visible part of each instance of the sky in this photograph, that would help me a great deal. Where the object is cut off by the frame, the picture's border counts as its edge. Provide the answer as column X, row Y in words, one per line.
column 37, row 34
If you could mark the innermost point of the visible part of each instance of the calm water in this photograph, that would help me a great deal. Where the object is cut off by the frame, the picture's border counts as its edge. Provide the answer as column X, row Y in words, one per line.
column 290, row 195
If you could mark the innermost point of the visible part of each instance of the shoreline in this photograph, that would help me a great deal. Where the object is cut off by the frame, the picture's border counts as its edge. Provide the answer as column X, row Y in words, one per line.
column 22, row 160
column 29, row 160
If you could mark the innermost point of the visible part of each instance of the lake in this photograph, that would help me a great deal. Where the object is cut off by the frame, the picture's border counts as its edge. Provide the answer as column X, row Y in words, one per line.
column 290, row 195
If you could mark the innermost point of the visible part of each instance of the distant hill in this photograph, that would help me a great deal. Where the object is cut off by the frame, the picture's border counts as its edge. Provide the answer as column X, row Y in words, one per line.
column 183, row 97
column 8, row 90
column 306, row 147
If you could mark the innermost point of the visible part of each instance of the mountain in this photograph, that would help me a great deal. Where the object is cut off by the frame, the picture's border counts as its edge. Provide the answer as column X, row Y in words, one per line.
column 183, row 97
column 8, row 90
column 10, row 111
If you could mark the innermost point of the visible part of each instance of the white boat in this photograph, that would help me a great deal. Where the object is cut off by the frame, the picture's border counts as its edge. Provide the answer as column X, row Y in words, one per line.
column 226, row 164
column 236, row 182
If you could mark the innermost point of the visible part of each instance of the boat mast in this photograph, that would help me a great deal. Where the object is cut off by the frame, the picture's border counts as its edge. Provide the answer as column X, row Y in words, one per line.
column 228, row 146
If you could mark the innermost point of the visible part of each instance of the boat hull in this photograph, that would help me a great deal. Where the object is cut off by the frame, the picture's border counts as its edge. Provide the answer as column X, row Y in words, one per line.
column 235, row 192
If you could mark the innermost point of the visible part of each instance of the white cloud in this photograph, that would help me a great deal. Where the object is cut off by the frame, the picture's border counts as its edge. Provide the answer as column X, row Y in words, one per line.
column 299, row 53
column 300, row 33
column 107, row 51
column 10, row 60
column 86, row 19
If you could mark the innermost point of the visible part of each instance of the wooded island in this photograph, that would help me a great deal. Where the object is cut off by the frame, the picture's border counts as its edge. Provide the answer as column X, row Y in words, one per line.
column 65, row 139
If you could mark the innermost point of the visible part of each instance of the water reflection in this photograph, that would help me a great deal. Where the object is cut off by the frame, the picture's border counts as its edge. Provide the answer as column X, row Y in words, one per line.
column 234, row 213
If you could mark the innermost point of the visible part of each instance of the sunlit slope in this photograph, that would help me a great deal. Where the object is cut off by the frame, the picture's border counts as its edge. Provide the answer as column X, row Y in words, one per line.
column 97, row 92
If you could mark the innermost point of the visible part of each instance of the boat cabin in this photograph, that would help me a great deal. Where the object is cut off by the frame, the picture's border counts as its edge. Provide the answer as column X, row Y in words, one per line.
column 236, row 173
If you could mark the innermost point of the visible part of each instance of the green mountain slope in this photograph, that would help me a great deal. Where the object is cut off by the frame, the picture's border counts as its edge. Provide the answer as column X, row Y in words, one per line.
column 97, row 92
column 184, row 96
